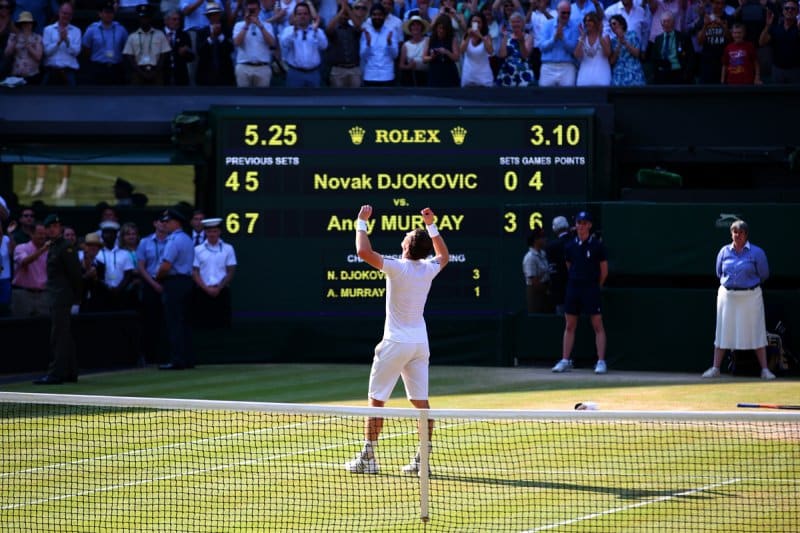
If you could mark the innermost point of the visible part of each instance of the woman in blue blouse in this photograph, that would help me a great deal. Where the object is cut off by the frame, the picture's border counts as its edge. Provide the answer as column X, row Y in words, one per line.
column 626, row 66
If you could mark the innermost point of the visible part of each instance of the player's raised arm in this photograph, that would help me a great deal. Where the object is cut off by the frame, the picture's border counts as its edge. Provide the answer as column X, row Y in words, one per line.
column 439, row 247
column 363, row 246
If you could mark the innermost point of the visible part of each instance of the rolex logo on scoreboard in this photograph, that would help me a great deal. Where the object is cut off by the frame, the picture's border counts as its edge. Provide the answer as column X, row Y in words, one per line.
column 407, row 136
column 357, row 134
column 459, row 134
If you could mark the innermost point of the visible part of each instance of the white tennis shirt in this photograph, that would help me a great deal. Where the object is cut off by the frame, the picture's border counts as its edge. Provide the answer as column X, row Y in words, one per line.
column 407, row 284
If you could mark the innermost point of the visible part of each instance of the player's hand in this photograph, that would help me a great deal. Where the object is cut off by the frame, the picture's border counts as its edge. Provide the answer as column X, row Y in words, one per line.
column 428, row 216
column 365, row 212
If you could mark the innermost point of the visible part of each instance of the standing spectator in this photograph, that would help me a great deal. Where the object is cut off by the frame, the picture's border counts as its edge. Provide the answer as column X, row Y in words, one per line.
column 64, row 292
column 213, row 269
column 636, row 20
column 214, row 51
column 378, row 50
column 581, row 8
column 413, row 68
column 495, row 32
column 476, row 48
column 70, row 236
column 198, row 232
column 782, row 35
column 175, row 275
column 540, row 14
column 94, row 292
column 558, row 265
column 127, row 14
column 176, row 64
column 713, row 34
column 536, row 270
column 344, row 35
column 62, row 44
column 740, row 60
column 43, row 11
column 587, row 269
column 28, row 298
column 301, row 45
column 6, row 251
column 672, row 54
column 741, row 268
column 24, row 50
column 677, row 8
column 515, row 49
column 503, row 9
column 626, row 68
column 149, row 256
column 6, row 27
column 559, row 39
column 25, row 227
column 103, row 42
column 592, row 51
column 403, row 351
column 146, row 50
column 423, row 11
column 391, row 22
column 254, row 41
column 441, row 54
column 115, row 266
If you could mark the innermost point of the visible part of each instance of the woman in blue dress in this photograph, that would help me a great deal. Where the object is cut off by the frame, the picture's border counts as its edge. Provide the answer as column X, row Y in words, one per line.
column 625, row 53
column 515, row 49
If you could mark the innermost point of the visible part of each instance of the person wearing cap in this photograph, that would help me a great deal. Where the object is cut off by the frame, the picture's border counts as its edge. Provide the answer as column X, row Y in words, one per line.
column 62, row 44
column 175, row 275
column 379, row 49
column 741, row 267
column 94, row 293
column 24, row 50
column 64, row 292
column 344, row 35
column 254, row 41
column 103, row 43
column 181, row 54
column 558, row 266
column 536, row 270
column 413, row 68
column 214, row 51
column 587, row 270
column 115, row 266
column 213, row 270
column 28, row 298
column 146, row 50
column 301, row 45
column 149, row 254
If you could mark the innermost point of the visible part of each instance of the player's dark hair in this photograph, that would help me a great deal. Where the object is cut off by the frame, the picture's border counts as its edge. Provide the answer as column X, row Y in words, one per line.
column 420, row 245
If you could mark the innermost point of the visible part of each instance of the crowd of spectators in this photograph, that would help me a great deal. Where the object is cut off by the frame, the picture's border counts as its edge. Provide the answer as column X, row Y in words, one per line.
column 442, row 43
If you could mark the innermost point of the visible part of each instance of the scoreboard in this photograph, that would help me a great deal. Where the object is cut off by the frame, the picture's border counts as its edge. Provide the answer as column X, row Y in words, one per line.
column 290, row 182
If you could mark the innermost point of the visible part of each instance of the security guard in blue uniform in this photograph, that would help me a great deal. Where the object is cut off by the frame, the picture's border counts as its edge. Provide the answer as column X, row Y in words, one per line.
column 64, row 291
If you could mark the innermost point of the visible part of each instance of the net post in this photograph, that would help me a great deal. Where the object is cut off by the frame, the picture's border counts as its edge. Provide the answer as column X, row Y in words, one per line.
column 424, row 464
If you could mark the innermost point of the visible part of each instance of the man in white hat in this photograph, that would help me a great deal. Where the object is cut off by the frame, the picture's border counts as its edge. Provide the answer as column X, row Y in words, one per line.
column 214, row 51
column 213, row 269
column 115, row 265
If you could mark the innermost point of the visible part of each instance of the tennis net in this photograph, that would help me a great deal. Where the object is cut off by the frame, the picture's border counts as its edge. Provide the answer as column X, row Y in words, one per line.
column 91, row 463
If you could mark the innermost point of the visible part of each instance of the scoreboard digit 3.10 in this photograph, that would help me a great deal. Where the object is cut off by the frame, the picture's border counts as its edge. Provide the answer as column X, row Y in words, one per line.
column 291, row 181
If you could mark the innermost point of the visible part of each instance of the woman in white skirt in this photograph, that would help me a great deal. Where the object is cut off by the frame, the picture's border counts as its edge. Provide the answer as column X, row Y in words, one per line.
column 741, row 268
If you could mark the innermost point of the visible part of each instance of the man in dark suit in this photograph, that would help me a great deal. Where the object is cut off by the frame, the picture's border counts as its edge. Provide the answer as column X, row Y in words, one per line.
column 672, row 54
column 214, row 50
column 176, row 71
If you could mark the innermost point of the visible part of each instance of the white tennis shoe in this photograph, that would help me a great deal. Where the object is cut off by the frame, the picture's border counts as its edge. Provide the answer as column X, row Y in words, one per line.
column 565, row 365
column 712, row 372
column 766, row 374
column 363, row 465
column 600, row 367
column 412, row 468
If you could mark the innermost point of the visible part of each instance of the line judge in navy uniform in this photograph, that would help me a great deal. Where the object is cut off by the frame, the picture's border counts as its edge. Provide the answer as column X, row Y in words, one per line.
column 64, row 290
column 175, row 275
column 587, row 270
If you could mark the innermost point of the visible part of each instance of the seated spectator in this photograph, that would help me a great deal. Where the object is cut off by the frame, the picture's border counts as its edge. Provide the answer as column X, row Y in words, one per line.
column 214, row 51
column 413, row 69
column 476, row 49
column 24, row 50
column 783, row 36
column 301, row 45
column 672, row 54
column 515, row 48
column 254, row 41
column 213, row 269
column 28, row 296
column 626, row 68
column 344, row 39
column 740, row 60
column 103, row 42
column 713, row 34
column 176, row 64
column 378, row 50
column 62, row 44
column 442, row 53
column 146, row 50
column 592, row 52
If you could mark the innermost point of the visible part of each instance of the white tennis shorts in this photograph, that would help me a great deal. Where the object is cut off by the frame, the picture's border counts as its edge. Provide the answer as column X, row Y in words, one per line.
column 395, row 359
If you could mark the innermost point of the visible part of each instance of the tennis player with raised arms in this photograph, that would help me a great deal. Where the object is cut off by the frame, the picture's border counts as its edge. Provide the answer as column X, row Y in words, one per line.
column 403, row 351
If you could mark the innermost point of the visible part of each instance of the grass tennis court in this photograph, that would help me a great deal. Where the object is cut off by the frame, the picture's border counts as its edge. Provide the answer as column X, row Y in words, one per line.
column 192, row 471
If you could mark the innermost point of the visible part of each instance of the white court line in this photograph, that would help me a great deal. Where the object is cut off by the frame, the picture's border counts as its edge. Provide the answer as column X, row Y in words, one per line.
column 633, row 506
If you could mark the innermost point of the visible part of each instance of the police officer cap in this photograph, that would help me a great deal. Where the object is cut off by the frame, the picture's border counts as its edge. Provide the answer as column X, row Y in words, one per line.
column 583, row 215
column 213, row 7
column 212, row 223
column 109, row 224
column 172, row 214
column 51, row 219
column 143, row 10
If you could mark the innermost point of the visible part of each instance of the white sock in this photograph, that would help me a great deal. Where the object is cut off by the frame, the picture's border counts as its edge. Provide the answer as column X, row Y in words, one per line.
column 369, row 448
